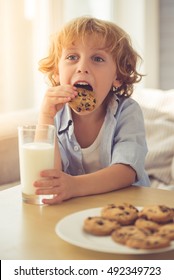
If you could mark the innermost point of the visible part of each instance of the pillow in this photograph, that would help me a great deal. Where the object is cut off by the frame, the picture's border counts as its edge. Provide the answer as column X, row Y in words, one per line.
column 158, row 110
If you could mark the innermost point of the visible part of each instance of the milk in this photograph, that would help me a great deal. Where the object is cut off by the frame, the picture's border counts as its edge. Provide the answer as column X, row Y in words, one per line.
column 34, row 157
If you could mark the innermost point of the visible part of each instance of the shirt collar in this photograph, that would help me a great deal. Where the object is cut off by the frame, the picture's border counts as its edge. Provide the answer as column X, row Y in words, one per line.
column 113, row 104
column 66, row 123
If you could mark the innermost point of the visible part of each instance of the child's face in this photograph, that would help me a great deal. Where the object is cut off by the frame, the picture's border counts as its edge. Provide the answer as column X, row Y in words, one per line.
column 86, row 62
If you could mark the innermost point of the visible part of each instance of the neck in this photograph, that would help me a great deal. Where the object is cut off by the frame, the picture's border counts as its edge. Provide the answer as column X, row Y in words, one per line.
column 87, row 127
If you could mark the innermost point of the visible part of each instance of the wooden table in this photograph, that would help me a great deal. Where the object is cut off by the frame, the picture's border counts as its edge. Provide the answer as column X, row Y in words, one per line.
column 28, row 231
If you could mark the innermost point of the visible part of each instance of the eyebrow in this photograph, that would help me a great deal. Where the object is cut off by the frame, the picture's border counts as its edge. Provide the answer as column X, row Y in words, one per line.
column 94, row 49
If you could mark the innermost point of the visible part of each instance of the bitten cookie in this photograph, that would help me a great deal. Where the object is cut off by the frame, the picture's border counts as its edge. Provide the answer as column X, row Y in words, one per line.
column 99, row 226
column 121, row 235
column 150, row 242
column 124, row 213
column 84, row 101
column 157, row 213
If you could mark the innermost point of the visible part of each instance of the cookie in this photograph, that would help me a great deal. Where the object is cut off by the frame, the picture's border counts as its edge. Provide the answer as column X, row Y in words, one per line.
column 99, row 226
column 121, row 235
column 84, row 101
column 149, row 242
column 145, row 224
column 166, row 231
column 124, row 213
column 157, row 213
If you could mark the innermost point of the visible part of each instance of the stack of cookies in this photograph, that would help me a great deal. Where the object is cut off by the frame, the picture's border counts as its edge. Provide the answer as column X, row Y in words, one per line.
column 149, row 228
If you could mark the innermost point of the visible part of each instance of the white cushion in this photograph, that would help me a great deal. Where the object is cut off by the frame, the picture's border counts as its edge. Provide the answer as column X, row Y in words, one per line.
column 158, row 110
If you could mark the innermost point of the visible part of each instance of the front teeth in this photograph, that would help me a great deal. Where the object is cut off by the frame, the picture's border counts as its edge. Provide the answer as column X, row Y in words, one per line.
column 82, row 83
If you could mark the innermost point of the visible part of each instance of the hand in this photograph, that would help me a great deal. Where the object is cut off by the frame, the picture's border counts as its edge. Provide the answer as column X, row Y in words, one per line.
column 54, row 99
column 54, row 182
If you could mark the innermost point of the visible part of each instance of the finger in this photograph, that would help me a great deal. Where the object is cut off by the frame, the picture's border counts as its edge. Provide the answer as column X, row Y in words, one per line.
column 64, row 87
column 54, row 173
column 55, row 200
column 45, row 184
column 57, row 100
column 62, row 91
column 45, row 191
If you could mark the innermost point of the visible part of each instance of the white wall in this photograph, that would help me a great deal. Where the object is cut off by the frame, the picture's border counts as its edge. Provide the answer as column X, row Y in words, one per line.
column 97, row 8
column 25, row 40
column 140, row 19
column 166, row 44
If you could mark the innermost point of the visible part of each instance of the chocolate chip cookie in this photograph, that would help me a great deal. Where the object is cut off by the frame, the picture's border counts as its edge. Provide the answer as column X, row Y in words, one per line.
column 124, row 213
column 99, row 226
column 166, row 231
column 157, row 213
column 145, row 224
column 121, row 235
column 84, row 101
column 150, row 242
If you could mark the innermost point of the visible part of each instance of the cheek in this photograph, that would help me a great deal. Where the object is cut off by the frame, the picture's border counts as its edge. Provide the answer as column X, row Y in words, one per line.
column 106, row 84
column 61, row 76
column 64, row 74
column 60, row 70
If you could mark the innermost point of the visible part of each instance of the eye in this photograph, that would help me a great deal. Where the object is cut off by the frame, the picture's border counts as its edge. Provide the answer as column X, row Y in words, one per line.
column 98, row 58
column 72, row 57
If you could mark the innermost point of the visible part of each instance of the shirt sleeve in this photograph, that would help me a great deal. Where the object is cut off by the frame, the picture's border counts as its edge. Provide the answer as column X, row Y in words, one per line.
column 129, row 145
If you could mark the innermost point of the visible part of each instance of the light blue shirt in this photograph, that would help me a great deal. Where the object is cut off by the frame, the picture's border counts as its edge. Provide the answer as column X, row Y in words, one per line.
column 123, row 140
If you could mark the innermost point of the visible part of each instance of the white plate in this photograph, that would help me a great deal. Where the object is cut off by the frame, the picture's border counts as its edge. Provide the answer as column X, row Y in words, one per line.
column 70, row 229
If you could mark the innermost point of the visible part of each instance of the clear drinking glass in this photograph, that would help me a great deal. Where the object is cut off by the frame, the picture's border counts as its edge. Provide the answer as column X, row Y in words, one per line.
column 36, row 153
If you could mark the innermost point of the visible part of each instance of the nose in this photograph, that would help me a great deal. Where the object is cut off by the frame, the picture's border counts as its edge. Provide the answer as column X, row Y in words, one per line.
column 82, row 71
column 82, row 66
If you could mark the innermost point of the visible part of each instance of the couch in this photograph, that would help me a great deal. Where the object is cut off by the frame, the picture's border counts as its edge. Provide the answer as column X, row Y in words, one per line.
column 158, row 110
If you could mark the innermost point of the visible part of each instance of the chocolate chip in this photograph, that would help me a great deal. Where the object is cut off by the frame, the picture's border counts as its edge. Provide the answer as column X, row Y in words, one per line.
column 164, row 208
column 78, row 109
column 144, row 217
column 100, row 223
column 112, row 206
column 121, row 207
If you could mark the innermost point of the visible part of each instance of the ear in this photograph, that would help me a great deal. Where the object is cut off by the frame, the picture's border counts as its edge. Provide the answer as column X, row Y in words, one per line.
column 117, row 83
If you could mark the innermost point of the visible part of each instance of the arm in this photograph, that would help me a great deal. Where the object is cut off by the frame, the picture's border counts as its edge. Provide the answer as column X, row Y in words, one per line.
column 110, row 178
column 53, row 101
column 48, row 119
column 65, row 186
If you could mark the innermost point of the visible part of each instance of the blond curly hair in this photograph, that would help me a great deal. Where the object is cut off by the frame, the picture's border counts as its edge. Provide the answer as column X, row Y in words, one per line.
column 115, row 39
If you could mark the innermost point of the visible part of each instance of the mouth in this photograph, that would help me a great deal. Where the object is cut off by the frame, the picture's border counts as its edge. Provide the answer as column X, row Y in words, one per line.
column 84, row 85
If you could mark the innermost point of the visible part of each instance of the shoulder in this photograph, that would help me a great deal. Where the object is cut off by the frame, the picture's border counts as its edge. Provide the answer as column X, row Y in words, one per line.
column 128, row 103
column 127, row 107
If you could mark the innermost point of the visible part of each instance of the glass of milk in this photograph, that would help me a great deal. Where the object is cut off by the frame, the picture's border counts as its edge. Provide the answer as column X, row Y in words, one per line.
column 36, row 153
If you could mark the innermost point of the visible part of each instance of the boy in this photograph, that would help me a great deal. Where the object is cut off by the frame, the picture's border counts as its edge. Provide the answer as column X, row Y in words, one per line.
column 100, row 148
